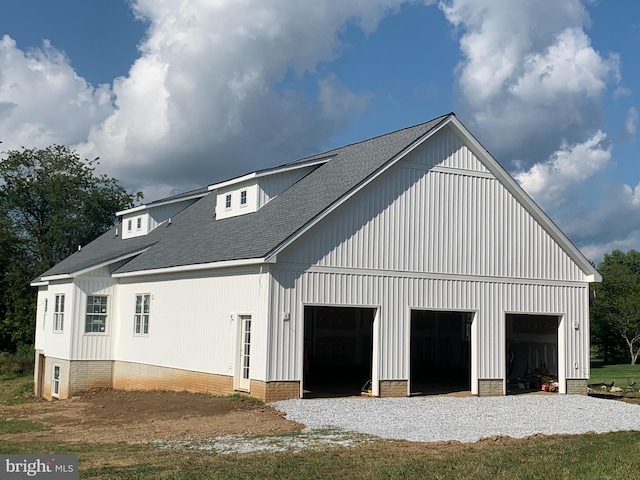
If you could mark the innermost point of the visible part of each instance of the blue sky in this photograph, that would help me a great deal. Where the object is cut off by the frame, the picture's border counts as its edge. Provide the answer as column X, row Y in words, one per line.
column 174, row 94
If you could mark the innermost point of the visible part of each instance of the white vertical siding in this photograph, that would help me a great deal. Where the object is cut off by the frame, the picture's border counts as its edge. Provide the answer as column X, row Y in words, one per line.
column 271, row 186
column 55, row 344
column 93, row 346
column 397, row 295
column 194, row 320
column 417, row 219
column 446, row 149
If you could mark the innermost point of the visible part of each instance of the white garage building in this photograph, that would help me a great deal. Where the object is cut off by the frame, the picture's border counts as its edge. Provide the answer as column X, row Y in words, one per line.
column 412, row 261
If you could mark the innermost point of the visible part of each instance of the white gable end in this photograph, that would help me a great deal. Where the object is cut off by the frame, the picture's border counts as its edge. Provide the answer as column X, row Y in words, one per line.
column 450, row 217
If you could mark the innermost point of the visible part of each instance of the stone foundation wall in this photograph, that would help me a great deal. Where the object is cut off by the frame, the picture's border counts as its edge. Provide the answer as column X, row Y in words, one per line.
column 88, row 374
column 138, row 376
column 577, row 386
column 393, row 388
column 490, row 387
column 275, row 391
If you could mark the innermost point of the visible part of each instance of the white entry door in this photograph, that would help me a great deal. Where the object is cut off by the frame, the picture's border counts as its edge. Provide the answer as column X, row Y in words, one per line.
column 244, row 359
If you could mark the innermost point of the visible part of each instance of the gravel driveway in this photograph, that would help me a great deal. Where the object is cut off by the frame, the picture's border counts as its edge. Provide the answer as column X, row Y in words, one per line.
column 433, row 419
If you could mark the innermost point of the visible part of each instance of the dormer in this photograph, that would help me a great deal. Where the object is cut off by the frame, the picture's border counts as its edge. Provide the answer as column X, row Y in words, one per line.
column 142, row 219
column 237, row 199
column 247, row 194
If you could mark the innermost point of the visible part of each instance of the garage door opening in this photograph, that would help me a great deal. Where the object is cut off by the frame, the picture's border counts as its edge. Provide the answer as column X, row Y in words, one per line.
column 338, row 350
column 532, row 353
column 440, row 352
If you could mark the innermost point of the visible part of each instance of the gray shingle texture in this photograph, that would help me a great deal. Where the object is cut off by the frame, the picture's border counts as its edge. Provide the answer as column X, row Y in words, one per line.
column 194, row 236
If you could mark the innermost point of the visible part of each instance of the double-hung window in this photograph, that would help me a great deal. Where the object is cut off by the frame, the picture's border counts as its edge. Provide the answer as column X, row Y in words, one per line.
column 141, row 317
column 96, row 319
column 58, row 314
column 227, row 201
column 243, row 198
column 139, row 223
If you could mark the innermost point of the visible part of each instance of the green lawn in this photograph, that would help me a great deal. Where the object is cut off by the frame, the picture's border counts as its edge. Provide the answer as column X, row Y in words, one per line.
column 622, row 374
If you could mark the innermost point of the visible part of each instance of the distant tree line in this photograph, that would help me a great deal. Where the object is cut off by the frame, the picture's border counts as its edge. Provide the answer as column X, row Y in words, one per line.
column 615, row 308
column 51, row 201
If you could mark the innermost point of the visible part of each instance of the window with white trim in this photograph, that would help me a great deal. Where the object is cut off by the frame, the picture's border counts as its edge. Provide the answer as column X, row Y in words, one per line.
column 227, row 201
column 58, row 313
column 139, row 223
column 141, row 316
column 55, row 383
column 96, row 319
column 129, row 225
column 243, row 198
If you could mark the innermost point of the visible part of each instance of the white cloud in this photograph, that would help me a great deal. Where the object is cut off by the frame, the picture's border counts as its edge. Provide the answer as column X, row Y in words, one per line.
column 550, row 182
column 630, row 126
column 529, row 75
column 43, row 101
column 204, row 100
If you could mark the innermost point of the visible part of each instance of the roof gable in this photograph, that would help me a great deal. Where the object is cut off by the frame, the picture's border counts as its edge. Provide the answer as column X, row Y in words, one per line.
column 194, row 239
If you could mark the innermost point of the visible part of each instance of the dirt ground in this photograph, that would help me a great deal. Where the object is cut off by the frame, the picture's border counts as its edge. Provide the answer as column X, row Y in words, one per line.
column 104, row 415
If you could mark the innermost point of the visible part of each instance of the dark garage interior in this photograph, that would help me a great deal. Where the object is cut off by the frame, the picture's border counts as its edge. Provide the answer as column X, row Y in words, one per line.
column 338, row 349
column 532, row 353
column 440, row 352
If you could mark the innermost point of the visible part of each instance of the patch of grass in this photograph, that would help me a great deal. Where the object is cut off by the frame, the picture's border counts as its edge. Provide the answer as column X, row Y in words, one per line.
column 17, row 364
column 237, row 397
column 17, row 390
column 623, row 375
column 591, row 456
column 17, row 425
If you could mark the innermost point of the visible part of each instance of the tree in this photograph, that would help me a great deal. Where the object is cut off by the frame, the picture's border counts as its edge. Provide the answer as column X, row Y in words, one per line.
column 616, row 305
column 51, row 201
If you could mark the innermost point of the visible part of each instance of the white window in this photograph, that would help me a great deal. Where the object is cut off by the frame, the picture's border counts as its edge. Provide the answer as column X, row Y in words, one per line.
column 129, row 225
column 141, row 317
column 227, row 202
column 58, row 314
column 243, row 197
column 96, row 319
column 55, row 384
column 139, row 223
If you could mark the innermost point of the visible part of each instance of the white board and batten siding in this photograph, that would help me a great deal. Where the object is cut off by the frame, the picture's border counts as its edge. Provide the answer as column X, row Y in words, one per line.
column 437, row 231
column 98, row 345
column 194, row 320
column 56, row 343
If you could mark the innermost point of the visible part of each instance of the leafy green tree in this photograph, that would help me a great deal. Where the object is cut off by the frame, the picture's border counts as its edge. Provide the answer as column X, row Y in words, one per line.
column 615, row 306
column 51, row 201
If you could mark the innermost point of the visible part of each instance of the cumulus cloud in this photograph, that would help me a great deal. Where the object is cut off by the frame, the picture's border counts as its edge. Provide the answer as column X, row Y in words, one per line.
column 204, row 99
column 43, row 100
column 630, row 126
column 529, row 75
column 207, row 97
column 550, row 182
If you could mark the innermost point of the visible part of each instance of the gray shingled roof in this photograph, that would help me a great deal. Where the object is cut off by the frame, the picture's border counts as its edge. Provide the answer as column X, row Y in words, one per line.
column 195, row 237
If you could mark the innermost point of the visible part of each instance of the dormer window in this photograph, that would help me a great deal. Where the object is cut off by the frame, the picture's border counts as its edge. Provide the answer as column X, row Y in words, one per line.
column 139, row 223
column 227, row 202
column 129, row 225
column 243, row 198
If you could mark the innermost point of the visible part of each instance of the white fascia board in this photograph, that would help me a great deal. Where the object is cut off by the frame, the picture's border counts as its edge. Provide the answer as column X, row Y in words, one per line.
column 160, row 203
column 66, row 276
column 233, row 181
column 532, row 207
column 381, row 170
column 109, row 262
column 194, row 267
column 39, row 284
column 62, row 276
column 265, row 173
